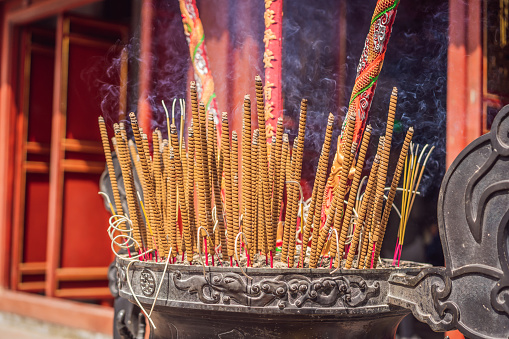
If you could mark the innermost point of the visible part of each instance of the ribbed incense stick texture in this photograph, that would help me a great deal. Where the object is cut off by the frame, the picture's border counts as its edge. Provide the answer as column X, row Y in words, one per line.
column 337, row 201
column 353, row 192
column 255, row 186
column 128, row 184
column 225, row 164
column 340, row 217
column 186, row 230
column 382, row 172
column 156, row 165
column 172, row 204
column 199, row 168
column 369, row 233
column 289, row 201
column 264, row 198
column 276, row 163
column 247, row 219
column 235, row 185
column 206, row 179
column 190, row 187
column 392, row 191
column 296, row 177
column 216, row 186
column 318, row 188
column 111, row 169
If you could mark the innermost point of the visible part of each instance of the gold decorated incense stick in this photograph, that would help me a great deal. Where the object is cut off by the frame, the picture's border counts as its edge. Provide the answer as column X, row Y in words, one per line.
column 337, row 201
column 276, row 163
column 235, row 184
column 156, row 165
column 382, row 177
column 111, row 169
column 392, row 191
column 199, row 166
column 290, row 202
column 297, row 172
column 264, row 198
column 129, row 185
column 158, row 178
column 190, row 187
column 186, row 230
column 206, row 180
column 225, row 164
column 341, row 217
column 137, row 164
column 172, row 204
column 369, row 231
column 360, row 225
column 318, row 189
column 216, row 188
column 353, row 193
column 246, row 171
column 255, row 187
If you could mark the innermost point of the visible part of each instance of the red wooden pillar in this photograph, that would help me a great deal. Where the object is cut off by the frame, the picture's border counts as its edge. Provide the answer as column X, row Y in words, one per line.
column 6, row 107
column 56, row 172
column 464, row 76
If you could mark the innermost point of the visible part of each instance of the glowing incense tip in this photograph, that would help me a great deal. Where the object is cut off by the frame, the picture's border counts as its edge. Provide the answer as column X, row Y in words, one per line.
column 258, row 78
column 234, row 135
column 280, row 120
column 224, row 116
column 101, row 119
column 394, row 91
column 285, row 137
column 247, row 97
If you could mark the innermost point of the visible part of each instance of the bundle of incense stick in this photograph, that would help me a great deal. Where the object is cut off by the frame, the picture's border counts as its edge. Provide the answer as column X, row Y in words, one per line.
column 179, row 205
column 412, row 175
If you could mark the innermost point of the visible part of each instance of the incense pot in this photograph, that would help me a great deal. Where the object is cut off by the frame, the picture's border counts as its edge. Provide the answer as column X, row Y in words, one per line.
column 469, row 294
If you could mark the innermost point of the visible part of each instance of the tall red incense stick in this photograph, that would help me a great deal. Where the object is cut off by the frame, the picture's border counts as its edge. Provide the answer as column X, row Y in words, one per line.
column 368, row 70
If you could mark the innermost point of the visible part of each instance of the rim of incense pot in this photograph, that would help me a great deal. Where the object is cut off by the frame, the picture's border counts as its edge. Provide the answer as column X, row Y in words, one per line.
column 353, row 292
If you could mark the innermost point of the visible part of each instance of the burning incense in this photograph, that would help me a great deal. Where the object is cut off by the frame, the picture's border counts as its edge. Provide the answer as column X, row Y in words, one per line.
column 158, row 178
column 313, row 217
column 129, row 184
column 368, row 233
column 235, row 185
column 255, row 187
column 225, row 164
column 206, row 181
column 360, row 224
column 341, row 218
column 290, row 202
column 392, row 191
column 276, row 162
column 172, row 202
column 247, row 185
column 265, row 228
column 190, row 187
column 410, row 187
column 353, row 193
column 297, row 176
column 186, row 229
column 111, row 170
column 337, row 201
column 216, row 187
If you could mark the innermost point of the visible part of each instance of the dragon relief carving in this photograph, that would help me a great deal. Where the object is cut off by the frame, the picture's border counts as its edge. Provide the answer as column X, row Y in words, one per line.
column 281, row 291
